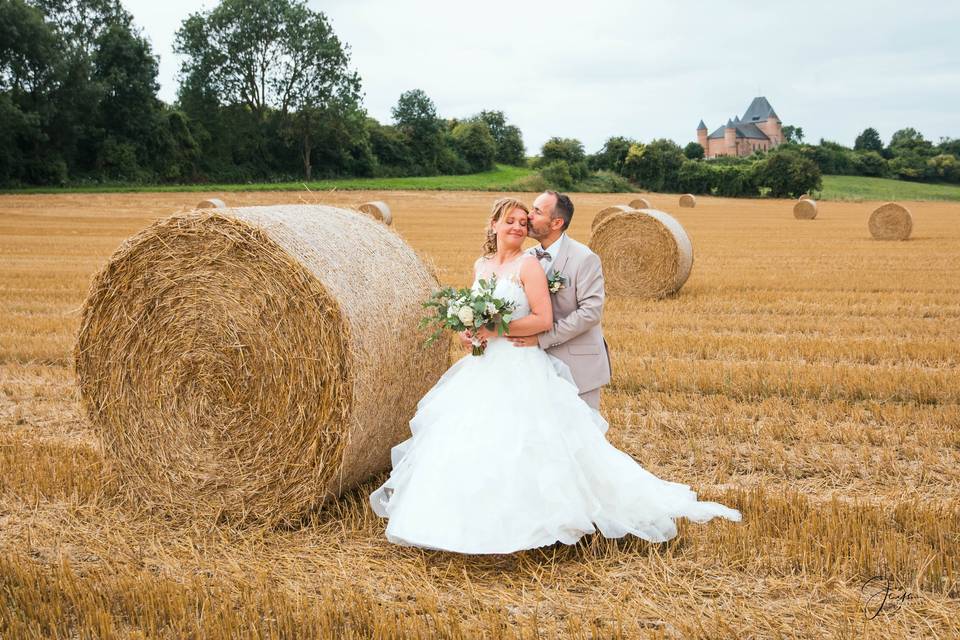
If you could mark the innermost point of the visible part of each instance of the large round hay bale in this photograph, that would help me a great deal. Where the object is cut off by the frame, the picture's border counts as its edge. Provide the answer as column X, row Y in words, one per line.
column 891, row 221
column 639, row 203
column 805, row 210
column 378, row 210
column 688, row 200
column 644, row 253
column 211, row 203
column 606, row 213
column 250, row 363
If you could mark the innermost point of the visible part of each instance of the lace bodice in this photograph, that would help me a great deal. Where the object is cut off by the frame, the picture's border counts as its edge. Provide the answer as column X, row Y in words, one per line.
column 509, row 286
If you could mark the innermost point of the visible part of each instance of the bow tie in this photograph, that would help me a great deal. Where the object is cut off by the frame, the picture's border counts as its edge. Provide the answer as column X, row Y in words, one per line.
column 541, row 254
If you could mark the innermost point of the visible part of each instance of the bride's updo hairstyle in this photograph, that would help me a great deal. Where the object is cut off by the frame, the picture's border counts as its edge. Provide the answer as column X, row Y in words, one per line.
column 500, row 207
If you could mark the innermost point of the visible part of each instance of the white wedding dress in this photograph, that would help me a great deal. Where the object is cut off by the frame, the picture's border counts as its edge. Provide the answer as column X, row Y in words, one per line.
column 504, row 456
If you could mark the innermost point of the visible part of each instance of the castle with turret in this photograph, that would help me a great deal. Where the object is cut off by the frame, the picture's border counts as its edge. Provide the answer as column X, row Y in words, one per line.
column 758, row 130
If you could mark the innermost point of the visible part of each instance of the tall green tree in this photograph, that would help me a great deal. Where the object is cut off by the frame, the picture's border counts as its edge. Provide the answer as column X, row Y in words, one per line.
column 655, row 166
column 950, row 145
column 29, row 72
column 907, row 140
column 868, row 140
column 128, row 114
column 508, row 138
column 694, row 151
column 415, row 116
column 273, row 57
column 792, row 133
column 613, row 154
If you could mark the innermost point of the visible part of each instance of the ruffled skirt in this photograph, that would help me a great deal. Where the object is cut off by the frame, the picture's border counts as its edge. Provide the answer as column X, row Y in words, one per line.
column 504, row 456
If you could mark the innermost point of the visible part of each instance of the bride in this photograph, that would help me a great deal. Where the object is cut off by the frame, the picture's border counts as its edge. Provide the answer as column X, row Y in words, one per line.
column 505, row 455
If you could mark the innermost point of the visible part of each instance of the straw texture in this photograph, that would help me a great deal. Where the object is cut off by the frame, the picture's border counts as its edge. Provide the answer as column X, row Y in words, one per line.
column 688, row 201
column 606, row 213
column 644, row 253
column 891, row 221
column 639, row 203
column 805, row 210
column 212, row 203
column 378, row 210
column 247, row 364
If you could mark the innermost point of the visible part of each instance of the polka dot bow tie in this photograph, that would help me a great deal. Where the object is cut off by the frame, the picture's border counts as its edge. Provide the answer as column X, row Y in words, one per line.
column 543, row 254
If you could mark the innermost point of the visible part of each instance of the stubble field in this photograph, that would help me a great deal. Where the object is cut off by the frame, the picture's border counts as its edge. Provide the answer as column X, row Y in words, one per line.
column 806, row 375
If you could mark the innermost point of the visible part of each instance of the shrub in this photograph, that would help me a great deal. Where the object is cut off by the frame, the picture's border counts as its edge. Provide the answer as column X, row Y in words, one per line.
column 872, row 164
column 532, row 182
column 612, row 156
column 655, row 166
column 117, row 160
column 475, row 144
column 695, row 176
column 909, row 166
column 944, row 167
column 567, row 150
column 788, row 174
column 735, row 181
column 557, row 174
column 449, row 162
column 694, row 151
column 604, row 182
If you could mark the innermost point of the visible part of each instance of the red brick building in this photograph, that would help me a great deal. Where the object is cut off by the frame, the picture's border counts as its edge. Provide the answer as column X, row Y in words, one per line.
column 758, row 129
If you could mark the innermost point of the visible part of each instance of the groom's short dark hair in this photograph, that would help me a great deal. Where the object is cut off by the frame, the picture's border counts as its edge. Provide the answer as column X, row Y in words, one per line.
column 563, row 208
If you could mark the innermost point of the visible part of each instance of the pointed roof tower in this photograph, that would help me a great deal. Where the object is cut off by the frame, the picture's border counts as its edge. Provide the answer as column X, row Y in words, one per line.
column 759, row 110
column 702, row 126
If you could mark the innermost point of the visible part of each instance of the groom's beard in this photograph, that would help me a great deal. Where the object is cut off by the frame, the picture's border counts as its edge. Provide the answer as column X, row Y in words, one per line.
column 536, row 234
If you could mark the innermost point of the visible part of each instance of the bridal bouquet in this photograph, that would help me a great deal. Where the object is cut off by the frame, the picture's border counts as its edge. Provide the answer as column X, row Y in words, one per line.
column 463, row 309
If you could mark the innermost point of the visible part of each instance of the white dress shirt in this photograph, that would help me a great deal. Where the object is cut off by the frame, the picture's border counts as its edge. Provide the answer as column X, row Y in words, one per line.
column 553, row 250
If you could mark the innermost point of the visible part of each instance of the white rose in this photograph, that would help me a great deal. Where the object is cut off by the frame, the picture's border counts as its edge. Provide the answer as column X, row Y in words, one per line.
column 466, row 315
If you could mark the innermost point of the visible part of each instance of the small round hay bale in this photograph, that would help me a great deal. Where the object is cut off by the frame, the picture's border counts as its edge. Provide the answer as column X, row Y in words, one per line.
column 688, row 200
column 606, row 213
column 234, row 369
column 805, row 210
column 639, row 203
column 644, row 253
column 212, row 203
column 805, row 196
column 891, row 221
column 378, row 210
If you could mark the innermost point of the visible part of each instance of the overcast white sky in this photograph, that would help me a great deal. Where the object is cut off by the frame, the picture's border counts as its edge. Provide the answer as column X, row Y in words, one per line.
column 643, row 69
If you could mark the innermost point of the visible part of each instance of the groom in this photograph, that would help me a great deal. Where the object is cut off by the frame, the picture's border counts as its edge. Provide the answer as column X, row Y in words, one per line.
column 576, row 337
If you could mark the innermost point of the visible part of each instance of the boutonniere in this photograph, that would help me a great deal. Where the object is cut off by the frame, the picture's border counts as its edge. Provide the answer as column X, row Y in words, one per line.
column 556, row 281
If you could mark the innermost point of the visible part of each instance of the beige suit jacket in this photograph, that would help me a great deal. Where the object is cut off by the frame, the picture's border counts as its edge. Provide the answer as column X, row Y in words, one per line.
column 576, row 337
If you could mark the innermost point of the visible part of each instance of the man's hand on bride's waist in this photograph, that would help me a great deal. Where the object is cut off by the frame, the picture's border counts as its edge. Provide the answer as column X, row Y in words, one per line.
column 524, row 341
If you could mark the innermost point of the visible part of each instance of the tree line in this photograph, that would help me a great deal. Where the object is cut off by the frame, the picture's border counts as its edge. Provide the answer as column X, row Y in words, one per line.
column 266, row 93
column 661, row 165
column 788, row 170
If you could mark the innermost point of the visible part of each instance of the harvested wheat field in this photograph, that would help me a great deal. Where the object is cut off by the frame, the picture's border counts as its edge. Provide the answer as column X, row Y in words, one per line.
column 805, row 374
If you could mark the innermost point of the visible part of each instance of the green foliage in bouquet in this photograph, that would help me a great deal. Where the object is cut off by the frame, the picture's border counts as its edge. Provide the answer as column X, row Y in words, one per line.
column 462, row 309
